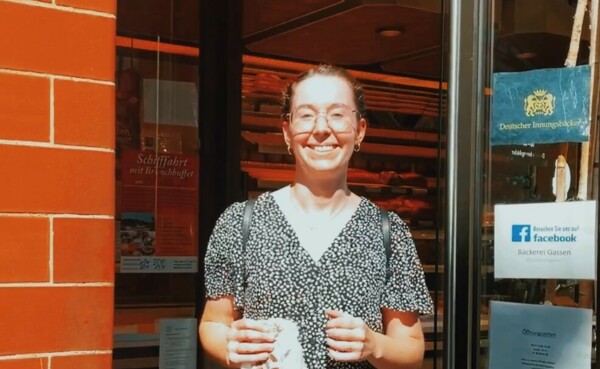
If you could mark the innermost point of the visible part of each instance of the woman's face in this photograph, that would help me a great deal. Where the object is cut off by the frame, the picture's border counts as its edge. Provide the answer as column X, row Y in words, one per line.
column 327, row 147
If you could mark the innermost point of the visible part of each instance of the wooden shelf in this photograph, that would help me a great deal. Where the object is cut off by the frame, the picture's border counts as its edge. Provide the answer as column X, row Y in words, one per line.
column 430, row 268
column 284, row 173
column 264, row 78
column 276, row 140
column 273, row 121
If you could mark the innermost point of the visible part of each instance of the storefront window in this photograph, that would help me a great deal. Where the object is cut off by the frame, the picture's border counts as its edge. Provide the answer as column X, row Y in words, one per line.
column 538, row 246
column 156, row 252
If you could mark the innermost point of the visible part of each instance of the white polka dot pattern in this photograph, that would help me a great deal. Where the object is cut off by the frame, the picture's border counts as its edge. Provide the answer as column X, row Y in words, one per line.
column 283, row 281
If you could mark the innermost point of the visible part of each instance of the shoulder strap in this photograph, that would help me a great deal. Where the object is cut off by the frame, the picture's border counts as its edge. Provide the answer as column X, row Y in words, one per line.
column 246, row 221
column 385, row 229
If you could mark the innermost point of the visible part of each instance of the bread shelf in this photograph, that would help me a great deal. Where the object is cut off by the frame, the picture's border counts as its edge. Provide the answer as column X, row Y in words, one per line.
column 430, row 268
column 284, row 173
column 274, row 121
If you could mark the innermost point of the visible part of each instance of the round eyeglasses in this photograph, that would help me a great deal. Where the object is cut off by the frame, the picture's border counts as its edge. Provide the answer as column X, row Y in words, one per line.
column 338, row 116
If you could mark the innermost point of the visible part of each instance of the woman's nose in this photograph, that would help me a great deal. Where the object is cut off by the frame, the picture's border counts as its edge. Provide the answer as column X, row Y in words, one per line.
column 321, row 124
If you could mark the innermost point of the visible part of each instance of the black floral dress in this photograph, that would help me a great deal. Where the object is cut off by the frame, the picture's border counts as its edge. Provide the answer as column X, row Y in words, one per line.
column 277, row 278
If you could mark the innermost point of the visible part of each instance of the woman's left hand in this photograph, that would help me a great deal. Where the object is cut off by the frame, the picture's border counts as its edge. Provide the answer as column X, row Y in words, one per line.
column 348, row 338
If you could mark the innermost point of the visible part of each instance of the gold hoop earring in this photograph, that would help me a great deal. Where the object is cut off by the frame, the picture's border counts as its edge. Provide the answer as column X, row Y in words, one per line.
column 289, row 149
column 357, row 147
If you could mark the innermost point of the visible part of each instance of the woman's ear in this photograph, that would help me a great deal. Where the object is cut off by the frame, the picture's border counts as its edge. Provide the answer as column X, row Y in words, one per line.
column 285, row 128
column 362, row 130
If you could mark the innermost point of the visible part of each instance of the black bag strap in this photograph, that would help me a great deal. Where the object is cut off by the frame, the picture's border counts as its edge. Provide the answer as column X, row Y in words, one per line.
column 246, row 223
column 387, row 243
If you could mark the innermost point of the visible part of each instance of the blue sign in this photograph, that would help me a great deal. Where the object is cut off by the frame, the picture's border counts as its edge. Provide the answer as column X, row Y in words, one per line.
column 541, row 106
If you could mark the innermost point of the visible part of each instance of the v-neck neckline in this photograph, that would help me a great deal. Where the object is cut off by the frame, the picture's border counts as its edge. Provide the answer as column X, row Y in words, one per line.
column 297, row 238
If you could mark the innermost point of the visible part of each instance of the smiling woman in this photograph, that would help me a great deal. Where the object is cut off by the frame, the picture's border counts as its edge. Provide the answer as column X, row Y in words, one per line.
column 315, row 235
column 323, row 142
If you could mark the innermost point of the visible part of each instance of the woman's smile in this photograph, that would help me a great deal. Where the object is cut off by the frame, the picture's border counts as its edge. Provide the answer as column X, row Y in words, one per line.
column 323, row 148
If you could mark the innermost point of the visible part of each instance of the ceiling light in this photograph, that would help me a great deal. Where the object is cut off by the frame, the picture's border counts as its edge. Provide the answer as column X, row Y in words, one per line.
column 526, row 55
column 389, row 31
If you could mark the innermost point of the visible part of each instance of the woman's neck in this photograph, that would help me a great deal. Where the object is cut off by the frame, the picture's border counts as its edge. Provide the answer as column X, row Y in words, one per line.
column 317, row 195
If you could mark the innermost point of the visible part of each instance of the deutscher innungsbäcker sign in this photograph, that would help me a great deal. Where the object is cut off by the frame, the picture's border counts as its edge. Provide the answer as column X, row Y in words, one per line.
column 541, row 106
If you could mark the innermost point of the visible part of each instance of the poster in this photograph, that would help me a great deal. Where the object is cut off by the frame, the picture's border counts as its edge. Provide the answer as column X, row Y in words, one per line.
column 545, row 240
column 158, row 210
column 525, row 336
column 541, row 106
column 178, row 343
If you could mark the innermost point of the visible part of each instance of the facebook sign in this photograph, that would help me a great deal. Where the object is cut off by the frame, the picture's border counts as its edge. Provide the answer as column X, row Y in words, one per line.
column 521, row 233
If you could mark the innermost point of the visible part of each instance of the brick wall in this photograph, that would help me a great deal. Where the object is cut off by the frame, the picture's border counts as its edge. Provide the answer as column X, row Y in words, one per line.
column 56, row 183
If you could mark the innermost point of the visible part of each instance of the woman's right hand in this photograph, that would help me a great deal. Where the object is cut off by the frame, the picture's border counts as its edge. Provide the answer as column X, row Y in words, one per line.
column 249, row 342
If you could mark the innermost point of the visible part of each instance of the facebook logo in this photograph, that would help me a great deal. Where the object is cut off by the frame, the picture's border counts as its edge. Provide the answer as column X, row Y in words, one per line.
column 521, row 233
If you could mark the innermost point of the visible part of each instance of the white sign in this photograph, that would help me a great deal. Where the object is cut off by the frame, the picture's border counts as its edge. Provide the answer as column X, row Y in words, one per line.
column 524, row 336
column 159, row 264
column 545, row 240
column 178, row 343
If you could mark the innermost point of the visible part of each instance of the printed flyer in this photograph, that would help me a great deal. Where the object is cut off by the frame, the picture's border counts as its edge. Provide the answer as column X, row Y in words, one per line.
column 178, row 343
column 158, row 212
column 525, row 336
column 545, row 240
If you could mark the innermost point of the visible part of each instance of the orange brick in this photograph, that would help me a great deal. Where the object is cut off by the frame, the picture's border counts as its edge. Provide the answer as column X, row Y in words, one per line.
column 48, row 180
column 38, row 363
column 92, row 239
column 24, row 248
column 82, row 361
column 55, row 319
column 24, row 107
column 107, row 6
column 84, row 114
column 73, row 44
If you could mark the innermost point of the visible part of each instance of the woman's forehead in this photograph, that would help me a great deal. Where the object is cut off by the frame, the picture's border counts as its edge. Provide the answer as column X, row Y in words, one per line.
column 323, row 89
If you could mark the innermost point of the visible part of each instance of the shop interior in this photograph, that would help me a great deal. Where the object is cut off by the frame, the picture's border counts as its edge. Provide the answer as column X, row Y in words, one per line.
column 399, row 51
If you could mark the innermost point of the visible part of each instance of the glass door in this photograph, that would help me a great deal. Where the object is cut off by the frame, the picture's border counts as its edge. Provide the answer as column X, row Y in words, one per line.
column 157, row 183
column 522, row 207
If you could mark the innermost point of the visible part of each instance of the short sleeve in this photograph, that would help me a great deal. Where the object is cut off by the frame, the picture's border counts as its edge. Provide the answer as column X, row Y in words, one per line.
column 223, row 275
column 406, row 289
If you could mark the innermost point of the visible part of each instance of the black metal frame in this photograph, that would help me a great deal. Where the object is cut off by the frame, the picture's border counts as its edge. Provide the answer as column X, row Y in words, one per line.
column 468, row 22
column 219, row 115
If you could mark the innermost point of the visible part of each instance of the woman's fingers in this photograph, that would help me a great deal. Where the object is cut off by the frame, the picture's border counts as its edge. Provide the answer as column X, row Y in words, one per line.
column 345, row 334
column 242, row 352
column 248, row 359
column 249, row 342
column 252, row 348
column 250, row 336
column 251, row 324
column 249, row 348
column 345, row 346
column 339, row 319
column 334, row 313
column 344, row 356
column 248, row 330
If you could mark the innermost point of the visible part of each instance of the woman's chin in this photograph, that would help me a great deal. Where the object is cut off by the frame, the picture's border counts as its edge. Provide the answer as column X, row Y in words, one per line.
column 326, row 167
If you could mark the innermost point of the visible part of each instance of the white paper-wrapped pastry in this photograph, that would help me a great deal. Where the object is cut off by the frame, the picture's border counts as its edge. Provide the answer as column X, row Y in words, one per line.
column 287, row 352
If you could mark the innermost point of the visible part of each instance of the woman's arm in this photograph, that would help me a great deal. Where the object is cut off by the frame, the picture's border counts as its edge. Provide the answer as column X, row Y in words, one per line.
column 402, row 345
column 229, row 340
column 214, row 325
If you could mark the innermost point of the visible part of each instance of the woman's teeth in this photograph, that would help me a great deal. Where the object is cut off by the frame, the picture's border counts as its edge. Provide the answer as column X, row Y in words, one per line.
column 323, row 148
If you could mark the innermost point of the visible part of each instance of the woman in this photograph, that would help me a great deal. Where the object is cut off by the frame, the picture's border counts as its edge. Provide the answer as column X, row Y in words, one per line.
column 315, row 252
